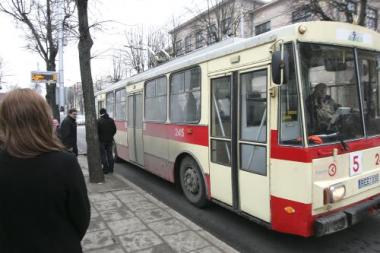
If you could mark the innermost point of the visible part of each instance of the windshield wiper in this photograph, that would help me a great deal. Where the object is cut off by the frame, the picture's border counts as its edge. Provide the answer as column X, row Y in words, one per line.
column 344, row 144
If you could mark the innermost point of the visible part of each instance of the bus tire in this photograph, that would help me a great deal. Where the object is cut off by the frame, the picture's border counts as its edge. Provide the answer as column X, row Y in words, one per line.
column 192, row 183
column 114, row 153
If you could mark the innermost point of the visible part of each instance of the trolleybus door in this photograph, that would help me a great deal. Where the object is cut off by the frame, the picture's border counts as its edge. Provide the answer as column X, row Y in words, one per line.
column 239, row 173
column 135, row 128
column 253, row 172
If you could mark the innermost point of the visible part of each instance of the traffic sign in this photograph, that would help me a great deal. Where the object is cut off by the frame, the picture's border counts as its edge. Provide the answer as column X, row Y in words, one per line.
column 44, row 76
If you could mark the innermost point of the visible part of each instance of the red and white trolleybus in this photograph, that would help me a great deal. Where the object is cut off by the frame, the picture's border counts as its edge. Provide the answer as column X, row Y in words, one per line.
column 282, row 128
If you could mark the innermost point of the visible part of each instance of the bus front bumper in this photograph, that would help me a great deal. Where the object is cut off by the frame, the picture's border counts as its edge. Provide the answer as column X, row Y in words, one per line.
column 347, row 217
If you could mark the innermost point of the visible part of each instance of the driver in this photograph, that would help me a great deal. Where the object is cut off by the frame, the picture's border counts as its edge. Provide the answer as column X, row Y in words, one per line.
column 321, row 108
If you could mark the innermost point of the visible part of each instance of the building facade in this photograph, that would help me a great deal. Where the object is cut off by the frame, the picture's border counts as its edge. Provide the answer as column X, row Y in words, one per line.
column 245, row 18
column 227, row 18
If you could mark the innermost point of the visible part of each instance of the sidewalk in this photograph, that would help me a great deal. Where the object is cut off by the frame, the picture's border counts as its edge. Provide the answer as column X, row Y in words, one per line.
column 124, row 218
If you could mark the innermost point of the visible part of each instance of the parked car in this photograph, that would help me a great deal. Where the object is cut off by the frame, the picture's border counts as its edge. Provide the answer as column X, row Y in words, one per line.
column 81, row 120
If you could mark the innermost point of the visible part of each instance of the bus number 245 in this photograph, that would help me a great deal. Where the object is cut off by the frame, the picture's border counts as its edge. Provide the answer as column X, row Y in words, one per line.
column 179, row 132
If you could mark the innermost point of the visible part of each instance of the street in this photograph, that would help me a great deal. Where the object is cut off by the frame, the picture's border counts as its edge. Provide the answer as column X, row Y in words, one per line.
column 242, row 234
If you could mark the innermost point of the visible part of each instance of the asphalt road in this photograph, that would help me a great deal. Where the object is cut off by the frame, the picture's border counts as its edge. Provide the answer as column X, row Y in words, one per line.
column 244, row 235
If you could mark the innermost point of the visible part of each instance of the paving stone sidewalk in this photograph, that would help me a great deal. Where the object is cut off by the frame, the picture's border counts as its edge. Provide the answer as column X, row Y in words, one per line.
column 124, row 218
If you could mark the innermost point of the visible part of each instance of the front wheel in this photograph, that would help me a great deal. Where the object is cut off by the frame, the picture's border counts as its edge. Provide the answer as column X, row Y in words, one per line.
column 192, row 182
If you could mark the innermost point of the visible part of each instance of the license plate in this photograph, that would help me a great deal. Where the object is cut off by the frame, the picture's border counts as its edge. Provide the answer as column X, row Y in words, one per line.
column 367, row 181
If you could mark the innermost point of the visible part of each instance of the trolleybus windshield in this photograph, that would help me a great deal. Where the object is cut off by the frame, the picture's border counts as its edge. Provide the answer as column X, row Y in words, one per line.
column 337, row 106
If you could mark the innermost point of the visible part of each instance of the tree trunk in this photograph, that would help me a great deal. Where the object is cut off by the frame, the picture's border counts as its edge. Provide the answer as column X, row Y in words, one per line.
column 50, row 98
column 84, row 47
column 362, row 12
column 51, row 89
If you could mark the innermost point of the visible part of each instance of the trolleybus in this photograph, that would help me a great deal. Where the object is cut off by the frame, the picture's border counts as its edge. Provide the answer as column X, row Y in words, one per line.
column 282, row 128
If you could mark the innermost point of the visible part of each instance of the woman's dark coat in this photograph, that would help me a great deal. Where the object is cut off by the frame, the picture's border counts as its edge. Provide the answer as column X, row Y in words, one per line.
column 44, row 207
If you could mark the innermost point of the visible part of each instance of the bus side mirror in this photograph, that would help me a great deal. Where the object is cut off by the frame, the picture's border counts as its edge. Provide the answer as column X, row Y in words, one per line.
column 280, row 67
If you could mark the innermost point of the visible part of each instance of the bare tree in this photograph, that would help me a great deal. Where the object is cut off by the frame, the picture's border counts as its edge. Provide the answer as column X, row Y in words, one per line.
column 84, row 48
column 220, row 20
column 40, row 21
column 118, row 66
column 330, row 10
column 145, row 50
column 157, row 43
column 135, row 57
column 174, row 36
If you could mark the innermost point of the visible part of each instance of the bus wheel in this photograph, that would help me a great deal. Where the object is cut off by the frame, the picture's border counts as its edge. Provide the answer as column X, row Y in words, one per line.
column 192, row 182
column 114, row 153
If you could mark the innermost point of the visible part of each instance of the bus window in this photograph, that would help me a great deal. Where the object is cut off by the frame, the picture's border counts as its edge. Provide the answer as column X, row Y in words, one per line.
column 155, row 100
column 253, row 106
column 221, row 120
column 369, row 67
column 110, row 103
column 330, row 88
column 121, row 104
column 258, row 154
column 290, row 129
column 185, row 94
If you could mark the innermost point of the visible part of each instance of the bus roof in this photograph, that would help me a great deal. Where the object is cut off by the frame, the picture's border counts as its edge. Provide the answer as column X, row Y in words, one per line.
column 234, row 45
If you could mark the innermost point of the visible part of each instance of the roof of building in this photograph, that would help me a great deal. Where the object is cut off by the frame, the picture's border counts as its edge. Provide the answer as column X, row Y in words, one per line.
column 191, row 20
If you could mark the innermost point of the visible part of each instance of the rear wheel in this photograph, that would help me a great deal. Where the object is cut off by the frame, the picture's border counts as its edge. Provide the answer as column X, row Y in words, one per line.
column 192, row 182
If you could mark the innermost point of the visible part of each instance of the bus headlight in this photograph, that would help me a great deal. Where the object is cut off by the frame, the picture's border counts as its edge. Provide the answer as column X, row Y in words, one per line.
column 334, row 193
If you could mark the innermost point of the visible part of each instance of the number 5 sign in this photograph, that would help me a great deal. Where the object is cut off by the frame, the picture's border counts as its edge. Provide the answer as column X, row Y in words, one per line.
column 356, row 166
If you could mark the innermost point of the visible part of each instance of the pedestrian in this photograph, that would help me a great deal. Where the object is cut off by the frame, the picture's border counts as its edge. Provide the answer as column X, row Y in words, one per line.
column 56, row 129
column 44, row 205
column 106, row 131
column 68, row 131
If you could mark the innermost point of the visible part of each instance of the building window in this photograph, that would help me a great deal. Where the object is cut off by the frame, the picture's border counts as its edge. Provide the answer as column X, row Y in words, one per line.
column 178, row 47
column 302, row 14
column 352, row 6
column 226, row 27
column 371, row 19
column 155, row 100
column 185, row 96
column 110, row 103
column 265, row 27
column 188, row 44
column 211, row 34
column 199, row 39
column 121, row 104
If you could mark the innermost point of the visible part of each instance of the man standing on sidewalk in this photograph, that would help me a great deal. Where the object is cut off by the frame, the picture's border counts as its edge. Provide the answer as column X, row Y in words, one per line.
column 106, row 131
column 68, row 131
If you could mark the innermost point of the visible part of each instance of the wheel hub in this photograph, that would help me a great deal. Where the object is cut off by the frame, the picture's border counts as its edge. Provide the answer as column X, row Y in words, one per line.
column 191, row 181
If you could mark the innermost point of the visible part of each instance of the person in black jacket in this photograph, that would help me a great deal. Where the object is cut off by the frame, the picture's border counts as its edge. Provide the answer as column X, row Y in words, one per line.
column 44, row 207
column 68, row 131
column 106, row 131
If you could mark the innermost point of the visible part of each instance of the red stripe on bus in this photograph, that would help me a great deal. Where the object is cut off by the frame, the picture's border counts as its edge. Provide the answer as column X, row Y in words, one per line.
column 298, row 223
column 298, row 154
column 306, row 155
column 191, row 134
column 121, row 125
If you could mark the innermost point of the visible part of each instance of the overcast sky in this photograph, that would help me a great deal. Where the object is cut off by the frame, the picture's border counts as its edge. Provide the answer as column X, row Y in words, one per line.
column 18, row 62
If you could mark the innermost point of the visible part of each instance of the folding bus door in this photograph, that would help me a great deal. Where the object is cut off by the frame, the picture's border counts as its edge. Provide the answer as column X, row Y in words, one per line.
column 135, row 128
column 239, row 174
column 253, row 172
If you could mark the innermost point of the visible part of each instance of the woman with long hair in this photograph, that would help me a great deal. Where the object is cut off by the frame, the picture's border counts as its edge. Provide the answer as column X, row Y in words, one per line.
column 44, row 205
